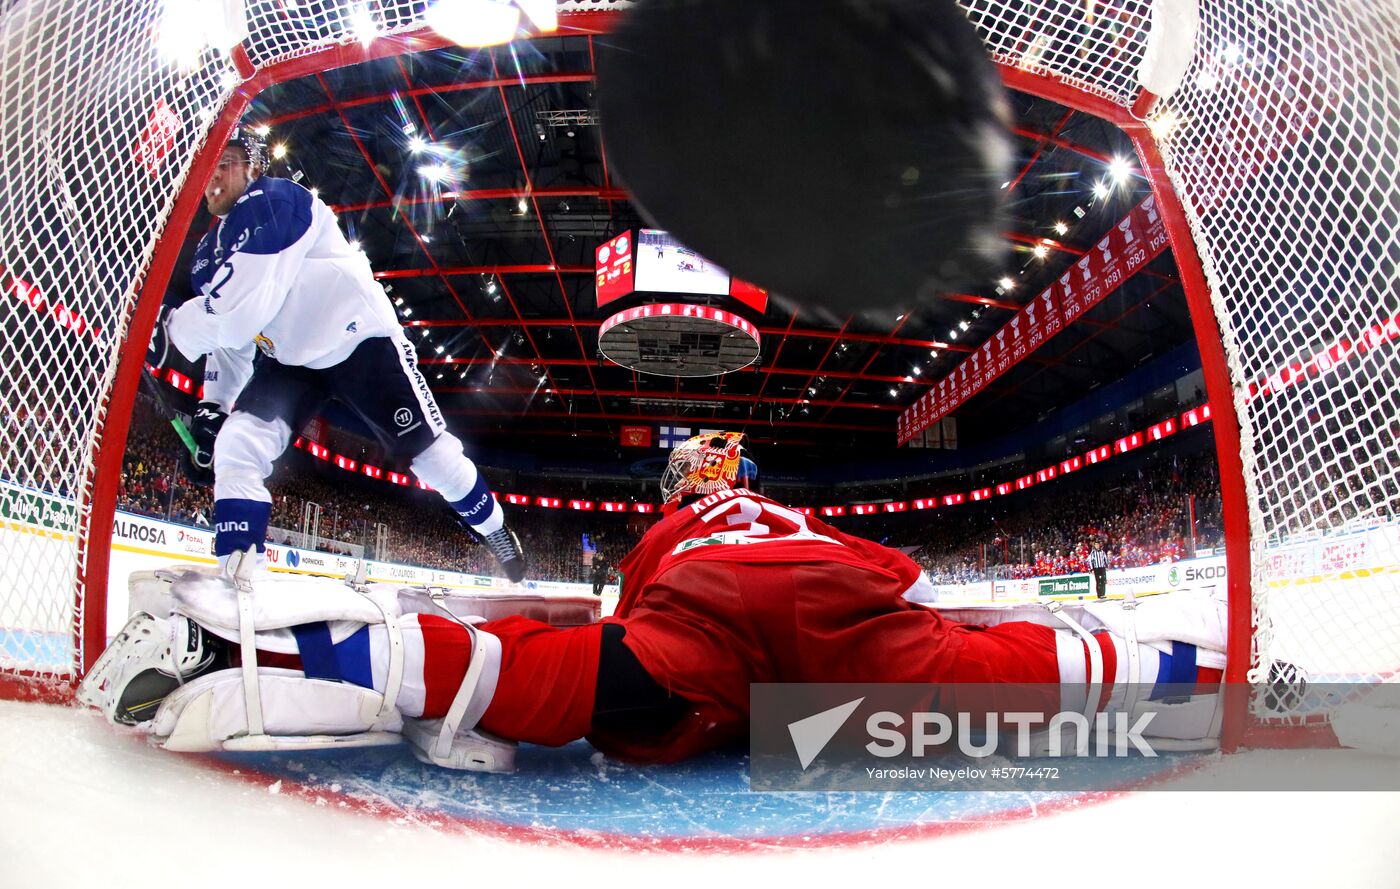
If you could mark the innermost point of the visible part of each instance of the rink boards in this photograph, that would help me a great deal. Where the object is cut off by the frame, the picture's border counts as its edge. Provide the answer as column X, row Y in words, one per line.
column 1329, row 595
column 38, row 554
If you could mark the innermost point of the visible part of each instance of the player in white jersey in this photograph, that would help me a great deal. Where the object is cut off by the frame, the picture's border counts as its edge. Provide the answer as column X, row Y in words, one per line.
column 276, row 275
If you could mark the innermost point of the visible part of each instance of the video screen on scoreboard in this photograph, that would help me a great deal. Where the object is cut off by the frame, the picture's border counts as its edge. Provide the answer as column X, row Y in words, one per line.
column 653, row 261
column 665, row 265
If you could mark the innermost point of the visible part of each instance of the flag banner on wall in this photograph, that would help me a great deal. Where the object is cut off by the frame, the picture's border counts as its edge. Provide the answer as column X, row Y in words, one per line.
column 1136, row 240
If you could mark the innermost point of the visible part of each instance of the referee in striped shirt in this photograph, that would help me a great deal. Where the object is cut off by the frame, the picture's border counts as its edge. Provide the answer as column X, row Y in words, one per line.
column 1098, row 561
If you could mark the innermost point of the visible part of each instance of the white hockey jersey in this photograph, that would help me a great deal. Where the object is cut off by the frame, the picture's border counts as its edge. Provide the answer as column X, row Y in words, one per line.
column 278, row 272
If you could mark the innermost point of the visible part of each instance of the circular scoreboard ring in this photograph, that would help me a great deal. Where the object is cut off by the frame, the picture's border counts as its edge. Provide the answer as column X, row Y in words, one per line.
column 678, row 340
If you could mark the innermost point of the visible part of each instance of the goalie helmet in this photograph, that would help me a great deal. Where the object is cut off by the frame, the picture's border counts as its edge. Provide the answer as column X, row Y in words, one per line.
column 706, row 464
column 252, row 144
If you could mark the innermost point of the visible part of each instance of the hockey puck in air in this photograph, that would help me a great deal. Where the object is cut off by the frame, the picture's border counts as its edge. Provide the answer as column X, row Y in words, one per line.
column 848, row 154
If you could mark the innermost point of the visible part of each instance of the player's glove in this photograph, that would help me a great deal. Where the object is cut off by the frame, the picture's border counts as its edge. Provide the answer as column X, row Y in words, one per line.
column 159, row 350
column 208, row 420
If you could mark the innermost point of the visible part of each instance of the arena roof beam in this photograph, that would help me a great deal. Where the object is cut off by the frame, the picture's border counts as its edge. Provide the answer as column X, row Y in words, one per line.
column 384, row 186
column 539, row 218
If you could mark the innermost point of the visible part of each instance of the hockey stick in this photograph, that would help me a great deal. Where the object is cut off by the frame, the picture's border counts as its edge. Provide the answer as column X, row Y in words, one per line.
column 164, row 408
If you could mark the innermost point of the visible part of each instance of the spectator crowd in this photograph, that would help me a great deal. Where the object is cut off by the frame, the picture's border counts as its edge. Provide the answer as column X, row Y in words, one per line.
column 1140, row 517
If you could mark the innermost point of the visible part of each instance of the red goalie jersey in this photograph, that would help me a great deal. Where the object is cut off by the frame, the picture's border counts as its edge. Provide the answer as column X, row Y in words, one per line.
column 735, row 588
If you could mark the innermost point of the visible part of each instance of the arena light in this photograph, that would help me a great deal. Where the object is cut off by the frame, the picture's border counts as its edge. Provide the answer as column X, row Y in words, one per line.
column 1040, row 251
column 1119, row 169
column 279, row 151
column 541, row 13
column 363, row 25
column 187, row 27
column 417, row 144
column 1061, row 229
column 435, row 173
column 1163, row 126
column 474, row 22
column 1100, row 190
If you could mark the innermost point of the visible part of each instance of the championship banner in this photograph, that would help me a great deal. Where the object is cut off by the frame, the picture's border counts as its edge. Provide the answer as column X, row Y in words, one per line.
column 1136, row 240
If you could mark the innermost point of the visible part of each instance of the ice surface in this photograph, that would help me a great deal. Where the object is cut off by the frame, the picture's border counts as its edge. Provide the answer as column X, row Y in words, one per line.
column 84, row 804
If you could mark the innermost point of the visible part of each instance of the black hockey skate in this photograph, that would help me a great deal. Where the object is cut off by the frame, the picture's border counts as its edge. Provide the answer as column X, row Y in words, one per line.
column 505, row 546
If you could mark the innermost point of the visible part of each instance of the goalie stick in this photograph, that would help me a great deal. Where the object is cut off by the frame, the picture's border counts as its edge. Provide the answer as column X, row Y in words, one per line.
column 166, row 410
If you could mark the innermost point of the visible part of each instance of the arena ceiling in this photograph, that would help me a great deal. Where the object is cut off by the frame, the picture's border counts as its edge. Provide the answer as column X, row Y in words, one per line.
column 478, row 186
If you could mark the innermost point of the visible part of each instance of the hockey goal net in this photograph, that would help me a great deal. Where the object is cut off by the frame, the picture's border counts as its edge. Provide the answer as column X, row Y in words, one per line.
column 1273, row 156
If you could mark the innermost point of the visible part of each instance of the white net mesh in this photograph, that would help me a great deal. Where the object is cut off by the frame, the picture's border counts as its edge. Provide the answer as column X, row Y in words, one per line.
column 1282, row 145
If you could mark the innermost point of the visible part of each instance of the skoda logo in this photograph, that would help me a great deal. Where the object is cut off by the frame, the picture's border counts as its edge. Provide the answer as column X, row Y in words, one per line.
column 403, row 416
column 1173, row 577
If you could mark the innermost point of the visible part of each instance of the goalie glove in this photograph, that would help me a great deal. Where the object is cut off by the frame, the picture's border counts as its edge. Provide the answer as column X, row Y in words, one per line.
column 158, row 352
column 204, row 429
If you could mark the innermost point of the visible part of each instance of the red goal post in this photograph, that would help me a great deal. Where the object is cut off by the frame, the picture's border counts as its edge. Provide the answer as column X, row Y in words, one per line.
column 1273, row 162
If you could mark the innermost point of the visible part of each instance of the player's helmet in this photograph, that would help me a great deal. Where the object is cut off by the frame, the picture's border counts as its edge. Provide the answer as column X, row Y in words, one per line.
column 252, row 144
column 706, row 464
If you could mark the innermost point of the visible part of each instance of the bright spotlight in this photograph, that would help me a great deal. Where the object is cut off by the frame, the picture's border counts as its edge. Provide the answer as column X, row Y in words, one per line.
column 1061, row 229
column 362, row 24
column 435, row 173
column 1041, row 251
column 279, row 151
column 1100, row 190
column 1007, row 283
column 474, row 22
column 1119, row 169
column 417, row 144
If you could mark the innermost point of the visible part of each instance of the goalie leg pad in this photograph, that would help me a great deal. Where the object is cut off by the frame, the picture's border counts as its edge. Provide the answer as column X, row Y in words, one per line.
column 209, row 714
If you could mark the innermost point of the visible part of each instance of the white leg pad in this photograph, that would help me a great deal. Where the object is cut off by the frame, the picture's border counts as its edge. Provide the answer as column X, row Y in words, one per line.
column 209, row 714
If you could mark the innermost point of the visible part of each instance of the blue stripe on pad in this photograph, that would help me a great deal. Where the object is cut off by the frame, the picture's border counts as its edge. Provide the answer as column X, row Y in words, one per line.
column 1177, row 668
column 345, row 661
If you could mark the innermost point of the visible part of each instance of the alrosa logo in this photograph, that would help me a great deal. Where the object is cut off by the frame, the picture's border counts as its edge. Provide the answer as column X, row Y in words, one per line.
column 143, row 533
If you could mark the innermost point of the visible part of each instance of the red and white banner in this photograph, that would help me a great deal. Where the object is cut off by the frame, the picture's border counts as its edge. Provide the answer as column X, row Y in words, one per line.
column 1136, row 240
